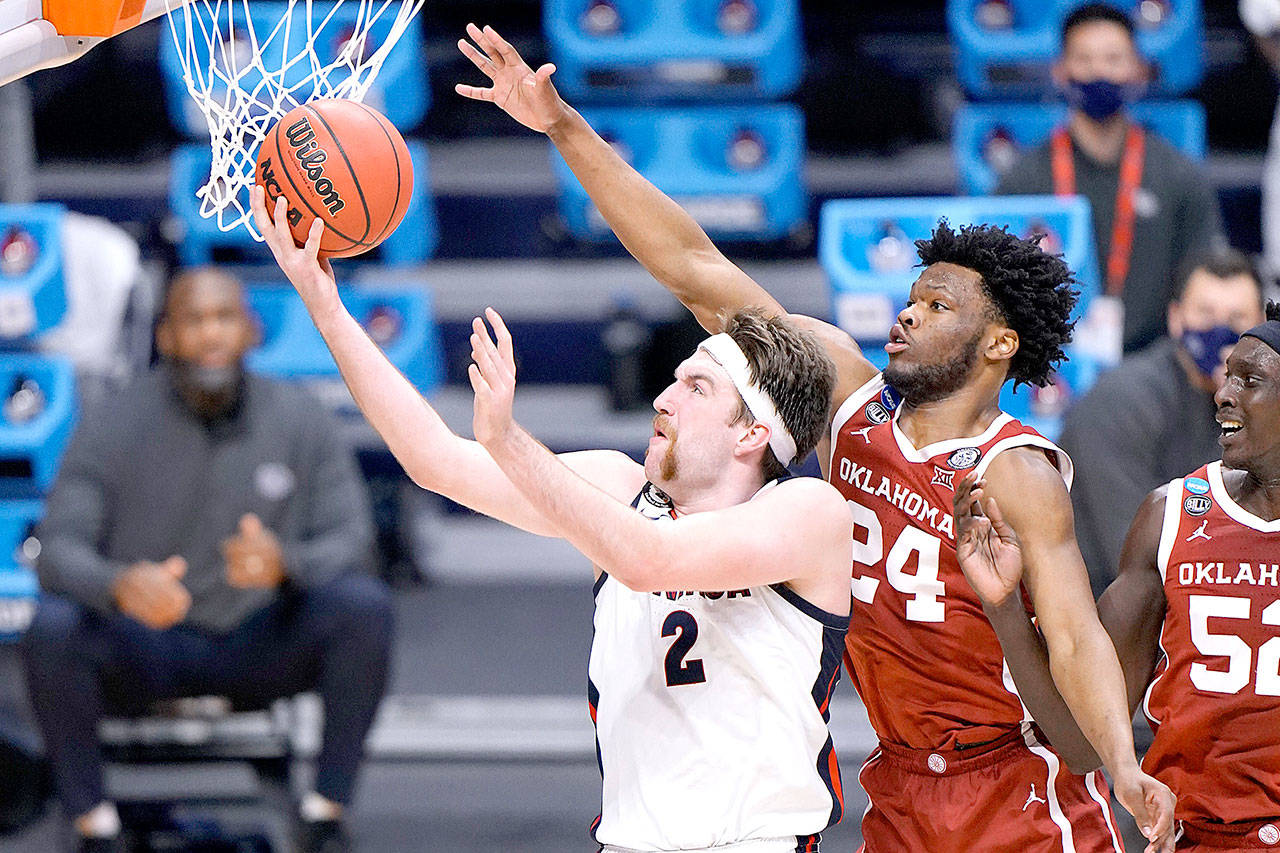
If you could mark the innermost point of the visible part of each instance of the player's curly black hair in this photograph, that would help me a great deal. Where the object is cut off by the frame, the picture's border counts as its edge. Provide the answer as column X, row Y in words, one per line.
column 1029, row 289
column 1273, row 311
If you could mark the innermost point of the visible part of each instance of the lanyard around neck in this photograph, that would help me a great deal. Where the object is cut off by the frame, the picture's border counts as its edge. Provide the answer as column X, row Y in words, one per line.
column 1064, row 183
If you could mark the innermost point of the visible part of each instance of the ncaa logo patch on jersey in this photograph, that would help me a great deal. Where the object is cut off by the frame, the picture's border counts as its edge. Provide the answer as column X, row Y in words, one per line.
column 1196, row 486
column 1197, row 504
column 889, row 398
column 876, row 412
column 965, row 457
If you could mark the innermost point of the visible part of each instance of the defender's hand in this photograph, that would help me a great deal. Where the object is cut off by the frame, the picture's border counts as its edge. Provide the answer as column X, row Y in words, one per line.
column 493, row 378
column 153, row 593
column 526, row 95
column 987, row 548
column 254, row 557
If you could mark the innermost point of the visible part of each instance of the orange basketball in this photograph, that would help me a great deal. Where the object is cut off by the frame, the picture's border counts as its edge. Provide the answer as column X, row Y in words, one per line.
column 343, row 162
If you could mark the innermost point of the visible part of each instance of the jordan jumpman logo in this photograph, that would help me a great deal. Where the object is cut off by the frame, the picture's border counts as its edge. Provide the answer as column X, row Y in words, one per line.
column 1032, row 798
column 863, row 432
column 1200, row 534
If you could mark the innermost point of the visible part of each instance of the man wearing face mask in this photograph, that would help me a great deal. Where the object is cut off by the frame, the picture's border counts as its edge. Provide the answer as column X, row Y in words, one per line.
column 205, row 536
column 1152, row 416
column 1152, row 208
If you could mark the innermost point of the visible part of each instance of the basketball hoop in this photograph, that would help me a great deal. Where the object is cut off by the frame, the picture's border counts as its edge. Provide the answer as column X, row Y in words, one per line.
column 246, row 68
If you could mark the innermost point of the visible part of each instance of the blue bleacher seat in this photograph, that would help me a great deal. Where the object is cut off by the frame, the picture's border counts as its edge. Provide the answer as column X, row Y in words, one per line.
column 19, row 592
column 18, row 587
column 32, row 439
column 867, row 249
column 413, row 242
column 675, row 48
column 1014, row 61
column 1182, row 123
column 403, row 73
column 686, row 153
column 399, row 319
column 33, row 297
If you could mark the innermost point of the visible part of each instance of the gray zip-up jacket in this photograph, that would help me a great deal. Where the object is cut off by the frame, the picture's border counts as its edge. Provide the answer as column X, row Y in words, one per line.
column 144, row 479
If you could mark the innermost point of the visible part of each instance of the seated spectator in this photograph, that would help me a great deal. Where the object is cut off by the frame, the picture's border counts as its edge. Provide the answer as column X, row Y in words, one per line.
column 1152, row 207
column 206, row 535
column 1152, row 418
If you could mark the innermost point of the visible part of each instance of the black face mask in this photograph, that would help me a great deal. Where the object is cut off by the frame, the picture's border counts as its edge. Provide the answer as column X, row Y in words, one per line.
column 1101, row 99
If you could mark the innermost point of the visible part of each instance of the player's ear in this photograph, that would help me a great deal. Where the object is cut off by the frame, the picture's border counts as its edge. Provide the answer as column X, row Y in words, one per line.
column 754, row 437
column 1003, row 344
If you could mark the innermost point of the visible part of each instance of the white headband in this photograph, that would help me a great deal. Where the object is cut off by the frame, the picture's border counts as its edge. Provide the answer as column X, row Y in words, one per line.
column 725, row 350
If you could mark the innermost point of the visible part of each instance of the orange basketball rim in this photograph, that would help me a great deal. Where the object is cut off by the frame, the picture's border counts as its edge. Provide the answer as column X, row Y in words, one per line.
column 36, row 35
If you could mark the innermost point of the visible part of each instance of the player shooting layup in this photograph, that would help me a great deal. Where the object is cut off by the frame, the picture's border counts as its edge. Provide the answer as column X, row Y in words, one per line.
column 1192, row 612
column 988, row 307
column 721, row 593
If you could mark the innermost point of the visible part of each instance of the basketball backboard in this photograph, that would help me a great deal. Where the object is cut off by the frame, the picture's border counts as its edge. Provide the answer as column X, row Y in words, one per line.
column 36, row 34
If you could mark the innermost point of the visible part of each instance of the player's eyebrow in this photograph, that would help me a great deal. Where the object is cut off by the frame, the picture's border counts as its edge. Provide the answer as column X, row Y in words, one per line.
column 698, row 375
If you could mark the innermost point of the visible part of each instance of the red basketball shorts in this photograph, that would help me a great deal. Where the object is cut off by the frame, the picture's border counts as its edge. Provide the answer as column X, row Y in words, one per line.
column 1011, row 796
column 1229, row 838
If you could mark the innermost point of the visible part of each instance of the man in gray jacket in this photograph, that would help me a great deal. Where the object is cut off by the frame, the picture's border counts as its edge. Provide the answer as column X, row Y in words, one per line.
column 205, row 536
column 1151, row 419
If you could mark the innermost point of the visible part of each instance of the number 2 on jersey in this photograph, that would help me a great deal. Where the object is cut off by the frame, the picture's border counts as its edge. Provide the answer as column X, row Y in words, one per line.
column 924, row 587
column 681, row 625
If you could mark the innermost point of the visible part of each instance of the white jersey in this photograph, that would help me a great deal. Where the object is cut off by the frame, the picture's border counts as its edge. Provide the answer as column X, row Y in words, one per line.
column 711, row 715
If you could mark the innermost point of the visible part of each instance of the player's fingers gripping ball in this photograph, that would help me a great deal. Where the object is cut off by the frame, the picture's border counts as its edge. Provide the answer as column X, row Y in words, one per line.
column 342, row 162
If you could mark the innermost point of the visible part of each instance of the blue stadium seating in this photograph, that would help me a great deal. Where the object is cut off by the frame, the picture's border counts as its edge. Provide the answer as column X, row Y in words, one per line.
column 675, row 48
column 31, row 442
column 1014, row 61
column 867, row 249
column 399, row 319
column 18, row 587
column 33, row 299
column 413, row 242
column 404, row 71
column 1182, row 123
column 687, row 153
column 19, row 592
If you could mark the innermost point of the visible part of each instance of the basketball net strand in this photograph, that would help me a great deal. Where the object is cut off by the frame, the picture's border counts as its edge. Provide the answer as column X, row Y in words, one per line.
column 244, row 81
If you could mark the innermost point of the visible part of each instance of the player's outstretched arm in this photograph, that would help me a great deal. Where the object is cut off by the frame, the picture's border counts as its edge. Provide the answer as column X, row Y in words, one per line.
column 1082, row 659
column 797, row 532
column 432, row 455
column 656, row 230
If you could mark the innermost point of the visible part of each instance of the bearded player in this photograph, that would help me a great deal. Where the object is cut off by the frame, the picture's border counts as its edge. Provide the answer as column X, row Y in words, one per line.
column 988, row 307
column 1193, row 612
column 720, row 590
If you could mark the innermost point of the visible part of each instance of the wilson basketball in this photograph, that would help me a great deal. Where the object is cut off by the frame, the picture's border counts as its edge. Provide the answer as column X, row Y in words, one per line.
column 340, row 161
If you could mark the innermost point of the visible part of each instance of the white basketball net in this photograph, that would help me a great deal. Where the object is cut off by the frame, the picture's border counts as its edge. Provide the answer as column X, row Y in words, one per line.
column 244, row 80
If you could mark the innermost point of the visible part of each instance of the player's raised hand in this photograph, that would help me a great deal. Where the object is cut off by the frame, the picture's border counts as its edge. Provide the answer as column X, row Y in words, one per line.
column 310, row 275
column 493, row 378
column 526, row 95
column 987, row 548
column 1151, row 803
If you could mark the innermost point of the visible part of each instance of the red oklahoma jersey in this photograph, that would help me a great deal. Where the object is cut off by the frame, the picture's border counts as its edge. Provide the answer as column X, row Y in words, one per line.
column 1215, row 700
column 920, row 651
